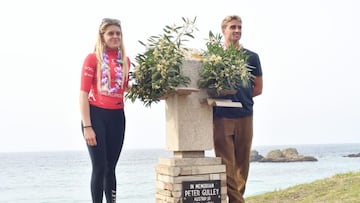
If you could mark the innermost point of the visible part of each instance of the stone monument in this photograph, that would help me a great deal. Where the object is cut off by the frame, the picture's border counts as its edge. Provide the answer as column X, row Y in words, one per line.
column 190, row 176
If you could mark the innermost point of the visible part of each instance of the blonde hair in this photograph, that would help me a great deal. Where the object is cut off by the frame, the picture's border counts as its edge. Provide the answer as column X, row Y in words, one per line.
column 100, row 48
column 227, row 19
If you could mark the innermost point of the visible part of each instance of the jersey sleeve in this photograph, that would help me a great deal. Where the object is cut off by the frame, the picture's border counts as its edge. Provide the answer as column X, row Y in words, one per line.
column 88, row 72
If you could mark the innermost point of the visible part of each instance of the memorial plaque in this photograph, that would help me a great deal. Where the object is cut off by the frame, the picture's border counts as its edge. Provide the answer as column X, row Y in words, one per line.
column 201, row 191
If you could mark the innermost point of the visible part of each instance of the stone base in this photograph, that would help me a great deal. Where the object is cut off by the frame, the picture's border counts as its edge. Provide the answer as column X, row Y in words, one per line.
column 172, row 172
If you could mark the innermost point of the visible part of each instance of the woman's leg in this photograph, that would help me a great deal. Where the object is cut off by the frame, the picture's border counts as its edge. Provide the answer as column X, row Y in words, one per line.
column 114, row 140
column 97, row 155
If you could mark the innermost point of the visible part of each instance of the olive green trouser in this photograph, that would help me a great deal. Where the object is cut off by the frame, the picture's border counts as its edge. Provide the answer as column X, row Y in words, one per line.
column 232, row 142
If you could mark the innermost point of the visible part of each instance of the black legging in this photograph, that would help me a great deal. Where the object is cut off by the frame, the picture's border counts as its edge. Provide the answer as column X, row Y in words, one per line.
column 109, row 127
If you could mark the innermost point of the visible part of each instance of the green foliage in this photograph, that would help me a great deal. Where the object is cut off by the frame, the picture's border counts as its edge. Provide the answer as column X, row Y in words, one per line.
column 159, row 69
column 224, row 68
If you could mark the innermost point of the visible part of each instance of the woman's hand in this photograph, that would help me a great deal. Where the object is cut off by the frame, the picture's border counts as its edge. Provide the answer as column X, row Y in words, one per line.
column 90, row 136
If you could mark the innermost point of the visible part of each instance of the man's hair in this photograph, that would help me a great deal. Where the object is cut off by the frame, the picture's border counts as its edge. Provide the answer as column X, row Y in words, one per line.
column 227, row 19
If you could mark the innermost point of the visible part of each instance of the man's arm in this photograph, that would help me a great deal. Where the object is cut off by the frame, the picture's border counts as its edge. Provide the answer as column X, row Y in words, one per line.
column 258, row 86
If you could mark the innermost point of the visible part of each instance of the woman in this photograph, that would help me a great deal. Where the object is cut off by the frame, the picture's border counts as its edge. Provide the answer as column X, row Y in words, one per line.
column 104, row 79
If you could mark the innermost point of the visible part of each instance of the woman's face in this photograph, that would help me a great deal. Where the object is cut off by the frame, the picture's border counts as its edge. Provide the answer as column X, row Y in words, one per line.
column 112, row 37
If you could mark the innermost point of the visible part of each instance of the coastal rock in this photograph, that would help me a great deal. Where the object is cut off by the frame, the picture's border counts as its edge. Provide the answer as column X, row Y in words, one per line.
column 286, row 155
column 353, row 155
column 255, row 156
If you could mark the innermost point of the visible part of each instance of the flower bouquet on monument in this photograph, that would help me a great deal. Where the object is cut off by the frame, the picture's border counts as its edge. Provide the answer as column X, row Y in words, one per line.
column 158, row 69
column 225, row 68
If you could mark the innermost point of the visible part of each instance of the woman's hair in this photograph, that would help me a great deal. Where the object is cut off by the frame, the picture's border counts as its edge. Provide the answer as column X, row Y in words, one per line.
column 227, row 19
column 100, row 48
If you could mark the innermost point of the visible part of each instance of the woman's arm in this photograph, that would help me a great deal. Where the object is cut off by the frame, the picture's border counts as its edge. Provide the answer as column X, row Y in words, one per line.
column 85, row 108
column 89, row 133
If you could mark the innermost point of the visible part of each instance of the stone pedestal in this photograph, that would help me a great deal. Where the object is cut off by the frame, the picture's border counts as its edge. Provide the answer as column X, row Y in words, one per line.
column 174, row 174
column 189, row 176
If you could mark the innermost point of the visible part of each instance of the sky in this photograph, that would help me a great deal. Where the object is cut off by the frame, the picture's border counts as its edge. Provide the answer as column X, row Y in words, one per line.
column 309, row 51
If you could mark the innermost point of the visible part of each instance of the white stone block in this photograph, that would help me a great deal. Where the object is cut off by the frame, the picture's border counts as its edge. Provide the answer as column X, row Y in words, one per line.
column 188, row 119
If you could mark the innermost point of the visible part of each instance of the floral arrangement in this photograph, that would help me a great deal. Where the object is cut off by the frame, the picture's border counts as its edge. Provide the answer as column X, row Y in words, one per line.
column 158, row 70
column 225, row 69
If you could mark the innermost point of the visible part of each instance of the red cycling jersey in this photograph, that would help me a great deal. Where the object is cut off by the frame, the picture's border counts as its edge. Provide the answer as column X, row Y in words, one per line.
column 89, row 82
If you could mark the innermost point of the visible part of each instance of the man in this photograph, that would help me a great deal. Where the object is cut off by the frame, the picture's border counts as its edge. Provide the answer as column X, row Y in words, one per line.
column 233, row 127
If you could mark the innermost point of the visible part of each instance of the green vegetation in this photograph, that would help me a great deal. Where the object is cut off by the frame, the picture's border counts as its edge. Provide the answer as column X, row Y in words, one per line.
column 340, row 188
column 158, row 70
column 224, row 68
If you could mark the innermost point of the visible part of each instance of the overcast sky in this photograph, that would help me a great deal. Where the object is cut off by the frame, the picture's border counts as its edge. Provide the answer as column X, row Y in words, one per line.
column 309, row 51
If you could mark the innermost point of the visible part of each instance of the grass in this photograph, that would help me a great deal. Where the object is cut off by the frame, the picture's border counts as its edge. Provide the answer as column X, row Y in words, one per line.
column 340, row 188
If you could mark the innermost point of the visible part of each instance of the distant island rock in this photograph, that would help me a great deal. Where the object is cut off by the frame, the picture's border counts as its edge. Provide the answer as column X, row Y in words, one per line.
column 286, row 155
column 353, row 155
column 255, row 156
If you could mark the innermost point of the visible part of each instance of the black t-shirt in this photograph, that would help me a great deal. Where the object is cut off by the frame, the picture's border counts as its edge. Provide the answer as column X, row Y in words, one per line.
column 244, row 95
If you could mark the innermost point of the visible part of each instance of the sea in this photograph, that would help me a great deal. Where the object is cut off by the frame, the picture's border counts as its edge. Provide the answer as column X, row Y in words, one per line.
column 64, row 176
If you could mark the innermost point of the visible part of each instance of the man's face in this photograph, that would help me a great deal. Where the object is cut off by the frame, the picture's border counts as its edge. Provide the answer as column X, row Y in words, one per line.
column 232, row 32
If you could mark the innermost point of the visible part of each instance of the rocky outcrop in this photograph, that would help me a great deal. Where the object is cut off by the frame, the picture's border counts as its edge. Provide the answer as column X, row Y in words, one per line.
column 286, row 155
column 353, row 155
column 255, row 156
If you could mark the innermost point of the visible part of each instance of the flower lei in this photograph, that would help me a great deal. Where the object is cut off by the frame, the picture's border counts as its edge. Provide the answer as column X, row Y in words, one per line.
column 105, row 74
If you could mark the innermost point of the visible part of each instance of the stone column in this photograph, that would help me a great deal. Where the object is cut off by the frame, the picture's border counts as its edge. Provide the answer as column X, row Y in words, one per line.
column 190, row 176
